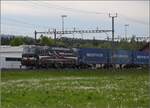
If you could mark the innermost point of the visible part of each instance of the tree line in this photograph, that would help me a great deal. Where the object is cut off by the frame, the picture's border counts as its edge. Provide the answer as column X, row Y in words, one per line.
column 71, row 42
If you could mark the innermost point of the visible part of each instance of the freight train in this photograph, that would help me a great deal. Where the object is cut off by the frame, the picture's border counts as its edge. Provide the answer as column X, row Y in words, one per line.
column 61, row 57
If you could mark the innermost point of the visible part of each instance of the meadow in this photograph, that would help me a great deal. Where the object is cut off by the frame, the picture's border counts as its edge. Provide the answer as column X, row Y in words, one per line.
column 103, row 88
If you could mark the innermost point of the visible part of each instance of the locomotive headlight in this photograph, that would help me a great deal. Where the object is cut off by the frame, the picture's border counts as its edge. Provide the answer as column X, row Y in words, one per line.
column 29, row 58
column 32, row 58
column 24, row 58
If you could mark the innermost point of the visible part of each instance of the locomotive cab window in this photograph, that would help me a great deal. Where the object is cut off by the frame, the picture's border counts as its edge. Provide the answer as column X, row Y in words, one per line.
column 28, row 50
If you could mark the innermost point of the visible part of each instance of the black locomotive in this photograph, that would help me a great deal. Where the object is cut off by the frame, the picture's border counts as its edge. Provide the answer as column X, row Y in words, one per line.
column 46, row 57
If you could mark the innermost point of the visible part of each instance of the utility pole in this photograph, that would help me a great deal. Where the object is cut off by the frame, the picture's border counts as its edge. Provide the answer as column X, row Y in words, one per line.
column 55, row 36
column 63, row 16
column 35, row 33
column 73, row 32
column 113, row 44
column 125, row 30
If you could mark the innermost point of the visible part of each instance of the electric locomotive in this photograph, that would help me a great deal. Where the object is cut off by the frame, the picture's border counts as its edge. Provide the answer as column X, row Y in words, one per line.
column 46, row 57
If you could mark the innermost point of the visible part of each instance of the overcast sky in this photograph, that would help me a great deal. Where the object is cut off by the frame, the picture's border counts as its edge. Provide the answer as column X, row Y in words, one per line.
column 23, row 17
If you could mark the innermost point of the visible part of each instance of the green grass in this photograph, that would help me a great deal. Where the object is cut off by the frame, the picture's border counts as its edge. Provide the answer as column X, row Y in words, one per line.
column 127, row 88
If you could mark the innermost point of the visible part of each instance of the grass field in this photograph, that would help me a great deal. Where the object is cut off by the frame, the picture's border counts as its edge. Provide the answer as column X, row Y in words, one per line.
column 128, row 88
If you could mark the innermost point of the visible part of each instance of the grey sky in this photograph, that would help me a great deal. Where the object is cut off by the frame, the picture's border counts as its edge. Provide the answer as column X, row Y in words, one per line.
column 23, row 17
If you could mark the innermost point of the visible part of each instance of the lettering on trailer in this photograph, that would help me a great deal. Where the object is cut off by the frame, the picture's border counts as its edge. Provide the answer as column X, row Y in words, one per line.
column 94, row 54
column 142, row 57
column 120, row 56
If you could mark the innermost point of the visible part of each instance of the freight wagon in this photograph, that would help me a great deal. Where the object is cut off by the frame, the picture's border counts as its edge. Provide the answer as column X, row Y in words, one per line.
column 92, row 57
column 141, row 58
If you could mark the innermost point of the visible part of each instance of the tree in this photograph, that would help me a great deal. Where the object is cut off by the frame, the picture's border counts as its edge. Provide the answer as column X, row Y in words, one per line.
column 123, row 44
column 6, row 40
column 16, row 41
column 133, row 39
column 60, row 43
column 44, row 40
column 28, row 40
column 86, row 45
column 105, row 45
column 95, row 42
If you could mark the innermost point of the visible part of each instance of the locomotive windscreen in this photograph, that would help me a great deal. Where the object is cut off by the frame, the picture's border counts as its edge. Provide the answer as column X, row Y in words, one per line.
column 29, row 50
